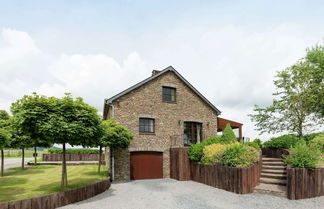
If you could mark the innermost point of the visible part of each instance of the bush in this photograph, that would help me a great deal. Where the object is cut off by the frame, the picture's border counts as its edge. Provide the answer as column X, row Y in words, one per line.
column 318, row 143
column 303, row 156
column 228, row 135
column 213, row 153
column 310, row 137
column 284, row 141
column 254, row 144
column 196, row 151
column 239, row 155
column 74, row 151
column 258, row 141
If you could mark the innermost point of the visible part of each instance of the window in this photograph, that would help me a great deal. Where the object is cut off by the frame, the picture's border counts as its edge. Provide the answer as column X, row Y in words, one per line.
column 192, row 133
column 169, row 94
column 146, row 125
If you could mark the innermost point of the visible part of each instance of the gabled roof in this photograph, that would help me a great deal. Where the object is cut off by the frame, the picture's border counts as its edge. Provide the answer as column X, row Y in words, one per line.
column 168, row 69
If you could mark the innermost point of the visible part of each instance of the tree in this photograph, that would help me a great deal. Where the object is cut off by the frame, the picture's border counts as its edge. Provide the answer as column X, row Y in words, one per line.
column 70, row 121
column 114, row 136
column 228, row 134
column 20, row 141
column 315, row 56
column 5, row 136
column 29, row 113
column 292, row 108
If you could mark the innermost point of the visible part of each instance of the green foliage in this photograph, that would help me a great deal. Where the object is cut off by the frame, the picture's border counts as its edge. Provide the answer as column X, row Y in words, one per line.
column 318, row 143
column 285, row 141
column 299, row 100
column 115, row 136
column 258, row 141
column 74, row 151
column 196, row 151
column 239, row 155
column 311, row 136
column 213, row 153
column 228, row 135
column 254, row 144
column 303, row 156
column 5, row 138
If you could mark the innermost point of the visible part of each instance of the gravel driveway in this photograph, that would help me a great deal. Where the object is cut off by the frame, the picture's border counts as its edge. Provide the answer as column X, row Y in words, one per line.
column 172, row 194
column 14, row 162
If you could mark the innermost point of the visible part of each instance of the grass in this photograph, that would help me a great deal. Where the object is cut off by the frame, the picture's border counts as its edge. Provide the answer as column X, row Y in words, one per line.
column 40, row 180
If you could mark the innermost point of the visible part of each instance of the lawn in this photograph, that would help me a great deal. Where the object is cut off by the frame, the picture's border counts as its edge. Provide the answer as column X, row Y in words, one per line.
column 39, row 180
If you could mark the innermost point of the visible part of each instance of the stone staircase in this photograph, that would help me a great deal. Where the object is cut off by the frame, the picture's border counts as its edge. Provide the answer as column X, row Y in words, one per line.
column 273, row 176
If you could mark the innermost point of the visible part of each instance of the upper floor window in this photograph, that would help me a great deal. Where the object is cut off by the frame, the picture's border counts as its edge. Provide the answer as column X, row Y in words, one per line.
column 169, row 94
column 146, row 125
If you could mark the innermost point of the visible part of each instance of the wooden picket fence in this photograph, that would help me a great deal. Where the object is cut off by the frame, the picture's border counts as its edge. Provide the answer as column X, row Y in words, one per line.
column 304, row 183
column 237, row 180
column 58, row 199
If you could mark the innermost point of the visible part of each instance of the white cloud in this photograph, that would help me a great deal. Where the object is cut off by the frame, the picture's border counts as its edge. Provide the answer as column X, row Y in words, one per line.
column 231, row 65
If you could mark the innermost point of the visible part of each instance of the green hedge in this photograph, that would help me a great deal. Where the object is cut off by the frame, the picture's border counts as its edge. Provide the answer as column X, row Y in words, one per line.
column 285, row 141
column 74, row 151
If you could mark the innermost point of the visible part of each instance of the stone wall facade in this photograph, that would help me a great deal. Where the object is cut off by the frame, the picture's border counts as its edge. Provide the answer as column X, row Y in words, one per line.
column 146, row 101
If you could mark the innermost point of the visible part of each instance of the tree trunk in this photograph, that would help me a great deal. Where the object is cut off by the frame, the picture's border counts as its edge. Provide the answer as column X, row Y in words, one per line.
column 35, row 155
column 100, row 153
column 2, row 162
column 23, row 158
column 64, row 172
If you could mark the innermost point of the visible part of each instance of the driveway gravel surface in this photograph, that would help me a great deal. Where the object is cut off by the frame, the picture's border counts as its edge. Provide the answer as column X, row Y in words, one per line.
column 172, row 194
column 14, row 162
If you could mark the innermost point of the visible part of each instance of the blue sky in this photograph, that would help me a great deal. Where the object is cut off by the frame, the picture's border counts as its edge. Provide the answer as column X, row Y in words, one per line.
column 229, row 50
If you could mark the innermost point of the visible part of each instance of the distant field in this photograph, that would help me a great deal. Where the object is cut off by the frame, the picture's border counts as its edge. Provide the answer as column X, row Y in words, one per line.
column 12, row 153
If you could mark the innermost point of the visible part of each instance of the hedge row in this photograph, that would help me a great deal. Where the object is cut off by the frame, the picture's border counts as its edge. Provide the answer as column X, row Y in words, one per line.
column 74, row 151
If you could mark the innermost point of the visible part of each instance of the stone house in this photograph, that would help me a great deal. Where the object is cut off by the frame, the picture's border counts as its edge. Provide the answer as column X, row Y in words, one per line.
column 162, row 111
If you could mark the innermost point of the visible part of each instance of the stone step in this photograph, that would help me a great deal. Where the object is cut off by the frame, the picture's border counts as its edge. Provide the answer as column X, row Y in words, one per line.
column 271, row 159
column 272, row 167
column 274, row 171
column 273, row 181
column 273, row 163
column 273, row 176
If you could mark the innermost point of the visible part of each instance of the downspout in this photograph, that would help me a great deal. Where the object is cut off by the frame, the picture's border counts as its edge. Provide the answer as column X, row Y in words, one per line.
column 111, row 150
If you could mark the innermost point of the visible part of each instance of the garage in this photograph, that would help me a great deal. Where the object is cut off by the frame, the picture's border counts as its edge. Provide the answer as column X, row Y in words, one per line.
column 146, row 165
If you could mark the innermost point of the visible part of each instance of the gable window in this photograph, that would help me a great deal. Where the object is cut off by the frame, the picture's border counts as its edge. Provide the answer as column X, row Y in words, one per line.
column 169, row 94
column 146, row 125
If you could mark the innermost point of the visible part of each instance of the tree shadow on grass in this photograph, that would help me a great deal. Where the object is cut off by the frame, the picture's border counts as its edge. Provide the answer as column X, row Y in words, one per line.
column 26, row 171
column 8, row 181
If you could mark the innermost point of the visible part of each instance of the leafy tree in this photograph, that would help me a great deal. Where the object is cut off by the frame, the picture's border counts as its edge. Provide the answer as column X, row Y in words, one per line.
column 292, row 108
column 5, row 136
column 70, row 121
column 20, row 141
column 30, row 112
column 315, row 57
column 114, row 136
column 228, row 134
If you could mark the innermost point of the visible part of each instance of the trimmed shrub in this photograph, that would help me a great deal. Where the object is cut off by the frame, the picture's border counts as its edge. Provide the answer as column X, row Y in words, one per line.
column 254, row 144
column 258, row 141
column 74, row 151
column 310, row 137
column 318, row 143
column 285, row 141
column 213, row 153
column 196, row 151
column 239, row 155
column 228, row 135
column 303, row 156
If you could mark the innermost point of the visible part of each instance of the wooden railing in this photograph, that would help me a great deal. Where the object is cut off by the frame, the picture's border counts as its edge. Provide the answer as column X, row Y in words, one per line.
column 237, row 180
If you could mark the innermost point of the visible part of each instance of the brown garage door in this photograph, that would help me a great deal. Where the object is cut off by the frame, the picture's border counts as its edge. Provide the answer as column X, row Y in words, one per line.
column 146, row 165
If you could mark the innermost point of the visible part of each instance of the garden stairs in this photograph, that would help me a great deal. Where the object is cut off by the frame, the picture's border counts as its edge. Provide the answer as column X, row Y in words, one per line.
column 273, row 176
